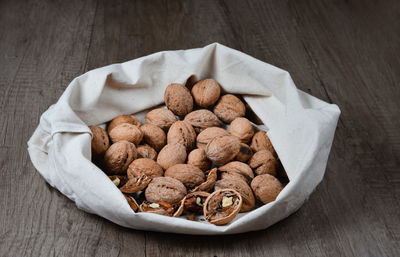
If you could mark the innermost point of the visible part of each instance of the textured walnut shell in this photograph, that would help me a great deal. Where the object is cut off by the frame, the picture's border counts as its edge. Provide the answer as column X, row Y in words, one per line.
column 118, row 157
column 144, row 166
column 135, row 185
column 263, row 162
column 206, row 92
column 146, row 151
column 154, row 136
column 244, row 190
column 215, row 213
column 123, row 119
column 205, row 136
column 194, row 202
column 128, row 132
column 202, row 119
column 132, row 202
column 178, row 99
column 161, row 117
column 208, row 185
column 241, row 128
column 266, row 188
column 183, row 133
column 171, row 154
column 229, row 107
column 223, row 149
column 189, row 175
column 198, row 158
column 244, row 154
column 261, row 141
column 237, row 170
column 163, row 208
column 100, row 141
column 165, row 189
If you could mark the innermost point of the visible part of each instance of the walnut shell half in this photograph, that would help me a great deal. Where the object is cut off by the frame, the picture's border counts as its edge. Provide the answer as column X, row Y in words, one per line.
column 222, row 206
column 243, row 188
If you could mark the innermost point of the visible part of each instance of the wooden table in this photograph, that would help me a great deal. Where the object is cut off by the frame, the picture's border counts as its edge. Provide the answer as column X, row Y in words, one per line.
column 345, row 52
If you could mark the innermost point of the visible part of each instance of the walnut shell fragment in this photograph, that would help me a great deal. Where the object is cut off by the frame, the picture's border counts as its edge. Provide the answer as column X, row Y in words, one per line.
column 161, row 208
column 132, row 202
column 241, row 128
column 208, row 185
column 135, row 185
column 165, row 189
column 222, row 206
column 118, row 157
column 146, row 151
column 244, row 153
column 205, row 136
column 171, row 154
column 123, row 119
column 154, row 136
column 194, row 202
column 198, row 158
column 178, row 99
column 206, row 92
column 229, row 107
column 161, row 117
column 144, row 166
column 223, row 149
column 202, row 119
column 237, row 170
column 261, row 141
column 263, row 162
column 189, row 175
column 118, row 181
column 266, row 188
column 243, row 188
column 183, row 133
column 128, row 132
column 100, row 141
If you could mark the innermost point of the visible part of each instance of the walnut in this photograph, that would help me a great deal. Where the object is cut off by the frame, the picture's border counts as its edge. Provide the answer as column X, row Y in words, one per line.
column 123, row 119
column 223, row 149
column 208, row 185
column 144, row 166
column 135, row 185
column 132, row 202
column 202, row 119
column 237, row 170
column 100, row 142
column 165, row 189
column 243, row 188
column 204, row 137
column 146, row 151
column 161, row 117
column 244, row 154
column 264, row 163
column 266, row 188
column 229, row 107
column 188, row 174
column 194, row 202
column 241, row 128
column 128, row 132
column 178, row 99
column 261, row 141
column 206, row 92
column 118, row 157
column 222, row 206
column 161, row 208
column 171, row 154
column 118, row 180
column 198, row 158
column 154, row 136
column 183, row 133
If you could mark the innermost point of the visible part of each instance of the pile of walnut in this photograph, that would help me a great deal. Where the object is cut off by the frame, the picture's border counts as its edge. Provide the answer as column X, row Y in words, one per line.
column 170, row 166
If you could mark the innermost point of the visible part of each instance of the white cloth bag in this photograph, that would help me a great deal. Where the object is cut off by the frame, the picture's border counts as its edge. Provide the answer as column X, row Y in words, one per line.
column 301, row 128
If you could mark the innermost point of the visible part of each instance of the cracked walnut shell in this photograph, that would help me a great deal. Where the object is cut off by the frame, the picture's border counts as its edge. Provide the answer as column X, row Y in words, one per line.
column 206, row 92
column 266, row 188
column 189, row 175
column 178, row 99
column 243, row 188
column 161, row 117
column 202, row 119
column 229, row 107
column 183, row 133
column 194, row 202
column 165, row 189
column 222, row 206
column 223, row 149
column 128, row 132
column 154, row 136
column 118, row 157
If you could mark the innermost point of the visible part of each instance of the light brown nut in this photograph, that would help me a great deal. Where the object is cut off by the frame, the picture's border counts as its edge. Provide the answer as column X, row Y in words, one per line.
column 118, row 181
column 241, row 128
column 118, row 157
column 261, row 141
column 132, row 202
column 237, row 170
column 263, row 162
column 266, row 188
column 154, row 136
column 171, row 154
column 123, row 119
column 165, row 189
column 202, row 119
column 208, row 185
column 161, row 117
column 244, row 154
column 161, row 208
column 135, row 185
column 194, row 202
column 144, row 166
column 128, row 132
column 222, row 206
column 183, row 133
column 189, row 175
column 100, row 142
column 198, row 158
column 205, row 136
column 206, row 92
column 229, row 107
column 223, row 149
column 146, row 151
column 244, row 190
column 178, row 99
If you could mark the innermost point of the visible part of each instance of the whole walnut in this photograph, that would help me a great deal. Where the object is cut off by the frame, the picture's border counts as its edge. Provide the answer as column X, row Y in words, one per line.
column 223, row 149
column 202, row 119
column 118, row 157
column 206, row 92
column 128, row 132
column 229, row 107
column 154, row 136
column 266, row 188
column 123, row 119
column 178, row 99
column 198, row 158
column 183, row 133
column 165, row 189
column 146, row 151
column 264, row 162
column 244, row 154
column 237, row 170
column 171, row 154
column 100, row 142
column 188, row 174
column 205, row 136
column 241, row 128
column 144, row 166
column 261, row 141
column 240, row 186
column 161, row 117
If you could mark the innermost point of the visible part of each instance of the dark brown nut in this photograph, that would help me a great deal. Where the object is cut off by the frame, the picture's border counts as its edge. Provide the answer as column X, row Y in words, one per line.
column 241, row 128
column 154, row 136
column 238, row 170
column 161, row 117
column 244, row 154
column 161, row 208
column 144, row 166
column 206, row 92
column 194, row 202
column 205, row 136
column 178, row 99
column 183, row 133
column 229, row 107
column 132, row 202
column 146, row 151
column 100, row 141
column 263, row 162
column 198, row 158
column 222, row 206
column 208, row 185
column 118, row 181
column 171, row 154
column 223, row 149
column 260, row 142
column 128, row 132
column 135, row 185
column 118, row 157
column 202, row 119
column 189, row 175
column 165, row 189
column 266, row 188
column 123, row 119
column 244, row 190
